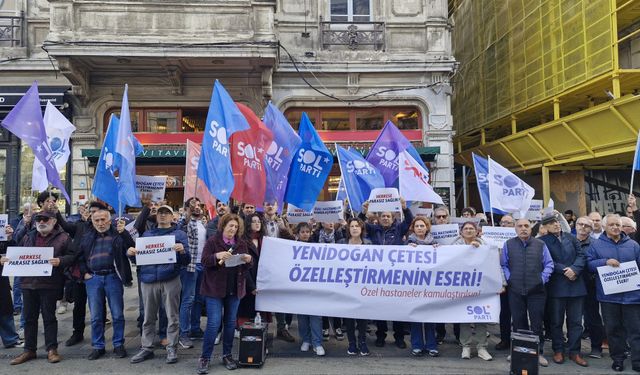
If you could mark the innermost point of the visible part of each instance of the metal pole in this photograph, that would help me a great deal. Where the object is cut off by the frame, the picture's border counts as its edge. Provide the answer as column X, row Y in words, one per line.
column 465, row 193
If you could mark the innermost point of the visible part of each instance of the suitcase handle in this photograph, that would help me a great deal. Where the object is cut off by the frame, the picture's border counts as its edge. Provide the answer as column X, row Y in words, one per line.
column 526, row 332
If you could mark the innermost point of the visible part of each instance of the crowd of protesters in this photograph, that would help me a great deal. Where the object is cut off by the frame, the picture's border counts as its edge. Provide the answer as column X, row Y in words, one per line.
column 549, row 273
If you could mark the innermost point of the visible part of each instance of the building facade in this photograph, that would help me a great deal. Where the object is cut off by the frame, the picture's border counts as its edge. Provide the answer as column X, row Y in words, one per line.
column 550, row 90
column 350, row 64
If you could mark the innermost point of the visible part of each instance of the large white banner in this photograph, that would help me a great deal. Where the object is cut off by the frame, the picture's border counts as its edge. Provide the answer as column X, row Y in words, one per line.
column 28, row 261
column 447, row 284
column 619, row 279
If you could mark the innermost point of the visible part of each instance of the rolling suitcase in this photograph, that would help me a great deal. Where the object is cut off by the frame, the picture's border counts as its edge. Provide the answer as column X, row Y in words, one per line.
column 524, row 353
column 253, row 343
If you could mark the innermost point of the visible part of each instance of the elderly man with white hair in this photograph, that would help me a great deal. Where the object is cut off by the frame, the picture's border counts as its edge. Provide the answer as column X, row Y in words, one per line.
column 621, row 311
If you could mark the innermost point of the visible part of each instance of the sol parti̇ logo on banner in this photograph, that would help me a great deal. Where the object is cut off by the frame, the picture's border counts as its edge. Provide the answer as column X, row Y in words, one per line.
column 388, row 158
column 251, row 155
column 220, row 141
column 310, row 162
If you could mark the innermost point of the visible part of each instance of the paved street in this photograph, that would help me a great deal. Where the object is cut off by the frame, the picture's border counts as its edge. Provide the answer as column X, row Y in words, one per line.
column 284, row 358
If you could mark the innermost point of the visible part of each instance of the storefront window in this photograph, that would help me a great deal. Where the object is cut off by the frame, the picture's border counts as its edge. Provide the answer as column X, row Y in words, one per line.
column 26, row 173
column 369, row 120
column 335, row 120
column 406, row 118
column 135, row 120
column 162, row 121
column 294, row 118
column 193, row 120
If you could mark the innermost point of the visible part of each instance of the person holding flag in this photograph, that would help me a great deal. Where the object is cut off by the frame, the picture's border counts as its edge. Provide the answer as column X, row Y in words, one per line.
column 223, row 120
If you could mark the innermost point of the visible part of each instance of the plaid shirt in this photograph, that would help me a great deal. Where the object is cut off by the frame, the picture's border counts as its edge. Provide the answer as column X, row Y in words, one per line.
column 192, row 236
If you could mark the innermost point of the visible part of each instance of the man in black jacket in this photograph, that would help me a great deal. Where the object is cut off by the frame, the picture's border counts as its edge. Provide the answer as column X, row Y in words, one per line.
column 106, row 270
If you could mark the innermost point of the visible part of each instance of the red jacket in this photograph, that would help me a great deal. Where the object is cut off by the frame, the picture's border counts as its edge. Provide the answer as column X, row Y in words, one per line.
column 214, row 281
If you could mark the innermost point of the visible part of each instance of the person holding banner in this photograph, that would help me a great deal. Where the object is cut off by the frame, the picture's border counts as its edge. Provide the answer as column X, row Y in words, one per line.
column 106, row 270
column 527, row 266
column 8, row 334
column 566, row 290
column 620, row 311
column 309, row 326
column 469, row 236
column 389, row 232
column 356, row 235
column 423, row 335
column 160, row 285
column 41, row 293
column 276, row 226
column 223, row 286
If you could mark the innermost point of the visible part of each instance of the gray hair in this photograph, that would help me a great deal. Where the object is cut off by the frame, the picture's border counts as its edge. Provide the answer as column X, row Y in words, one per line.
column 441, row 208
column 609, row 217
column 588, row 220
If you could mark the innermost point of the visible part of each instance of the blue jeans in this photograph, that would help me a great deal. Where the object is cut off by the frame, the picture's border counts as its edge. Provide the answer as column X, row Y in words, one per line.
column 423, row 336
column 198, row 301
column 8, row 330
column 214, row 319
column 99, row 287
column 310, row 329
column 570, row 308
column 17, row 293
column 188, row 280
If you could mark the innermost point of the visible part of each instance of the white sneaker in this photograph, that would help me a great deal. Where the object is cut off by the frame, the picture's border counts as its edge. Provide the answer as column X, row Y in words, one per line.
column 509, row 358
column 543, row 361
column 319, row 350
column 217, row 339
column 236, row 334
column 484, row 354
column 305, row 347
column 466, row 353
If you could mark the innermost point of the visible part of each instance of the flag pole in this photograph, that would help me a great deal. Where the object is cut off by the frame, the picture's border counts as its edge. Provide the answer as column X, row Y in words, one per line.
column 493, row 223
column 634, row 166
column 344, row 183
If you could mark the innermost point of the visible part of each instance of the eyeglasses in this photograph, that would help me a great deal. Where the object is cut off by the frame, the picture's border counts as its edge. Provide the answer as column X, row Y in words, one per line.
column 506, row 222
column 43, row 219
column 441, row 216
column 584, row 225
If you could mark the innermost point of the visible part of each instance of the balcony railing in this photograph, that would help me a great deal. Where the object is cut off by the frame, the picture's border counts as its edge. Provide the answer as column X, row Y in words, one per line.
column 353, row 34
column 11, row 31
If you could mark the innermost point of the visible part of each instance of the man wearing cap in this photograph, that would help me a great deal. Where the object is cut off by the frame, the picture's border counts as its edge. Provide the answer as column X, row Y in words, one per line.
column 527, row 265
column 160, row 285
column 106, row 270
column 566, row 290
column 40, row 293
column 620, row 311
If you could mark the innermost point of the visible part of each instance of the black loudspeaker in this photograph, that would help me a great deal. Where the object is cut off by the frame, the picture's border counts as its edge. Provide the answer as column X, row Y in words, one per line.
column 253, row 344
column 524, row 353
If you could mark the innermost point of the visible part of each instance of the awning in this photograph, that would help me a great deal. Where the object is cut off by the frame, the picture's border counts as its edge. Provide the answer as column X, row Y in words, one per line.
column 178, row 155
column 11, row 95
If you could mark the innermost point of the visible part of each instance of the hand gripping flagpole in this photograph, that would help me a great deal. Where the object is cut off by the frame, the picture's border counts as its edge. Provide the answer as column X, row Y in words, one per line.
column 493, row 223
column 344, row 183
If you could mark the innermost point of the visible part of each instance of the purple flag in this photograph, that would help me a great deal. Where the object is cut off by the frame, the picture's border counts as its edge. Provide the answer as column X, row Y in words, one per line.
column 25, row 122
column 279, row 155
column 386, row 150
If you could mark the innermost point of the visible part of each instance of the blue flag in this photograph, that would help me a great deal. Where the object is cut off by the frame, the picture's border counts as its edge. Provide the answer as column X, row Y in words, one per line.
column 105, row 184
column 481, row 167
column 224, row 119
column 386, row 150
column 125, row 158
column 25, row 122
column 359, row 177
column 279, row 155
column 309, row 169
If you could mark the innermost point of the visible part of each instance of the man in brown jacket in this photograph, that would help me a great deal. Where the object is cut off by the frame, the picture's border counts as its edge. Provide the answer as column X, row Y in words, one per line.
column 41, row 293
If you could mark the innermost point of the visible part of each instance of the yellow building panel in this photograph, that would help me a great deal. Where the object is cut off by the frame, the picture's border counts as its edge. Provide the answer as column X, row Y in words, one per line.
column 518, row 53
